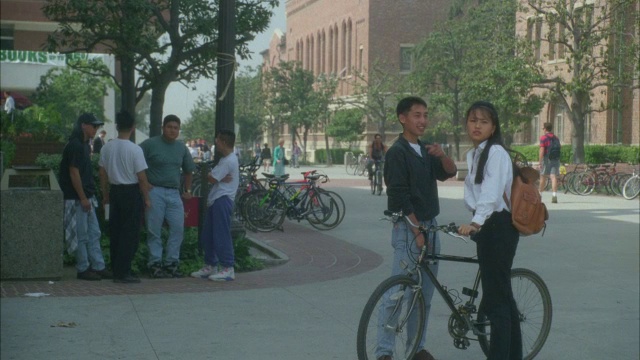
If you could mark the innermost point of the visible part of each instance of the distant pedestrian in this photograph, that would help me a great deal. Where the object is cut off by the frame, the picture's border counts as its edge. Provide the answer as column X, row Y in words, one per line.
column 82, row 231
column 266, row 157
column 9, row 104
column 278, row 159
column 295, row 155
column 219, row 257
column 168, row 159
column 549, row 164
column 99, row 142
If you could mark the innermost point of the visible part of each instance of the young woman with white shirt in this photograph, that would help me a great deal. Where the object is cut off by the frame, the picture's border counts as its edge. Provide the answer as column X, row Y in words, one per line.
column 489, row 179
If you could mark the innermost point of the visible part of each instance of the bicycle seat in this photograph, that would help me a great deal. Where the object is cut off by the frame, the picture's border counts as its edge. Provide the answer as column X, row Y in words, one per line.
column 314, row 177
column 276, row 177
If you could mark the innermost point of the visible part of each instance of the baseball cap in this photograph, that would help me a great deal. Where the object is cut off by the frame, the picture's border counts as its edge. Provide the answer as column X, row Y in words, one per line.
column 88, row 118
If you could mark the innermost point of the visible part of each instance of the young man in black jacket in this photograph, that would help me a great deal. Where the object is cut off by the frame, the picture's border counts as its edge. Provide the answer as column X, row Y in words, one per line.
column 410, row 173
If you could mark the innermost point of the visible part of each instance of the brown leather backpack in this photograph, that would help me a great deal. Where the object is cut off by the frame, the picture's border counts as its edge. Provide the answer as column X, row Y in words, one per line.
column 528, row 212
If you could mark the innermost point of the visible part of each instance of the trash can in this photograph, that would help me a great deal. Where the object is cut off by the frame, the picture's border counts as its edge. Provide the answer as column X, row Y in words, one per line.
column 31, row 230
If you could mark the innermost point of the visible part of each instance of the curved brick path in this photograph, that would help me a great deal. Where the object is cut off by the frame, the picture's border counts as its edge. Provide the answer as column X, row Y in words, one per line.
column 313, row 257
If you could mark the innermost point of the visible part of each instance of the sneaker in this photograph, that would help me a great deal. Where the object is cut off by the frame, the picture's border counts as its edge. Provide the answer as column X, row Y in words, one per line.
column 157, row 272
column 554, row 199
column 225, row 274
column 104, row 273
column 423, row 355
column 205, row 272
column 173, row 270
column 88, row 275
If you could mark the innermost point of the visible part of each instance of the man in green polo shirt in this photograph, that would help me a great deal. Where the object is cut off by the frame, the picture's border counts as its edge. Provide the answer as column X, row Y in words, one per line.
column 167, row 159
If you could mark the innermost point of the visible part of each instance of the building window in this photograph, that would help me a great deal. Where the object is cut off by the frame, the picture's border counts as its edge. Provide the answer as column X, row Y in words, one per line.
column 562, row 38
column 587, row 129
column 406, row 58
column 534, row 35
column 559, row 122
column 535, row 129
column 6, row 38
column 360, row 58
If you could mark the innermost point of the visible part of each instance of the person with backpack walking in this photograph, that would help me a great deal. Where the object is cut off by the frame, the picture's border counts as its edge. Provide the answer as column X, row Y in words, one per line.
column 487, row 194
column 549, row 158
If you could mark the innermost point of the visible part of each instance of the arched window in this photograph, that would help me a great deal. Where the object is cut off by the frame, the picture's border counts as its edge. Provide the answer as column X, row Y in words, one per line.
column 330, row 52
column 343, row 50
column 349, row 46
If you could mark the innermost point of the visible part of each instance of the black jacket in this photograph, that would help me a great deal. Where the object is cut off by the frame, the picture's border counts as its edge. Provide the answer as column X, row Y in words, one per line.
column 411, row 180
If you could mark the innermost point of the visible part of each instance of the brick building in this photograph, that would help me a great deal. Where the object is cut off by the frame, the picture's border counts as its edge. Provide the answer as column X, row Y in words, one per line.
column 23, row 34
column 601, row 127
column 341, row 37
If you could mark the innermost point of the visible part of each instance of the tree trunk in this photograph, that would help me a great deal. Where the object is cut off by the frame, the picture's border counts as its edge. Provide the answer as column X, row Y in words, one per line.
column 326, row 143
column 128, row 87
column 157, row 104
column 577, row 138
column 304, row 137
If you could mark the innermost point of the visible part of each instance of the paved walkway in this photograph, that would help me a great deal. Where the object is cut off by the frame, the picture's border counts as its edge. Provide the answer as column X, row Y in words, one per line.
column 313, row 256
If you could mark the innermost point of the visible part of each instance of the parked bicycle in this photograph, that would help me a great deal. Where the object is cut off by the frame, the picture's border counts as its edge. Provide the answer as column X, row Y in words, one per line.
column 265, row 210
column 631, row 188
column 401, row 297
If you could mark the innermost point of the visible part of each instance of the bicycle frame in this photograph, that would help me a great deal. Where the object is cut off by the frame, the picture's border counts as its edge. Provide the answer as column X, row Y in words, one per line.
column 472, row 293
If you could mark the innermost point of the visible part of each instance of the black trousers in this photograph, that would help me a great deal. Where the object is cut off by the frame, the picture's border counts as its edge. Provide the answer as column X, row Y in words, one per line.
column 125, row 215
column 496, row 244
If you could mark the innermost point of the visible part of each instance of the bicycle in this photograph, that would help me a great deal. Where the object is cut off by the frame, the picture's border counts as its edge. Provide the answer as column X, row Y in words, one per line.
column 265, row 210
column 402, row 295
column 376, row 179
column 631, row 188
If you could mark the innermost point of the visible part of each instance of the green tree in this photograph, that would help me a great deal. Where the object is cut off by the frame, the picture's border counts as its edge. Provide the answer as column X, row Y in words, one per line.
column 71, row 93
column 164, row 41
column 201, row 123
column 470, row 57
column 249, row 107
column 600, row 47
column 292, row 93
column 347, row 126
column 376, row 92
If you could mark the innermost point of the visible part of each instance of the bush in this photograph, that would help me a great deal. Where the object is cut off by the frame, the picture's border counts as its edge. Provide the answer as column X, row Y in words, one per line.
column 594, row 154
column 337, row 155
column 8, row 149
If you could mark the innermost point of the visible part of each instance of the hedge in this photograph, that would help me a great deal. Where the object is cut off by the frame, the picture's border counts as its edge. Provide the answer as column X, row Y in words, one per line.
column 337, row 155
column 594, row 154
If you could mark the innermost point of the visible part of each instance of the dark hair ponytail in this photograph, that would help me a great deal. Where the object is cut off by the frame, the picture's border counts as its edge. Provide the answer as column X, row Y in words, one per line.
column 495, row 138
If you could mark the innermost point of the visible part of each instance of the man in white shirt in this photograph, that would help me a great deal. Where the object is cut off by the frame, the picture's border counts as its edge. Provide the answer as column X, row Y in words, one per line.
column 124, row 189
column 9, row 104
column 216, row 238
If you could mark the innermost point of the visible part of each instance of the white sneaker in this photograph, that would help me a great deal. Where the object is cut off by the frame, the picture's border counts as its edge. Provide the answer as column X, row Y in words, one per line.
column 225, row 274
column 205, row 272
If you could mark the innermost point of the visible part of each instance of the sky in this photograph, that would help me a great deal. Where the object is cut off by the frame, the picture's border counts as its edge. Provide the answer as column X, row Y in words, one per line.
column 180, row 100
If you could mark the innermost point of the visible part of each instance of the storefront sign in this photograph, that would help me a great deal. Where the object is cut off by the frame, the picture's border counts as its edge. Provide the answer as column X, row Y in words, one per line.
column 44, row 58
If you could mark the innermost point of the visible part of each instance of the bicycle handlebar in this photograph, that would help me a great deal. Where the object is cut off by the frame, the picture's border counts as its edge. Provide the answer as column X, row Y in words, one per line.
column 450, row 229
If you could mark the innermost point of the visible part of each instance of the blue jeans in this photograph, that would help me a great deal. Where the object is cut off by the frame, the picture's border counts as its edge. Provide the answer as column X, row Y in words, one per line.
column 216, row 234
column 166, row 204
column 401, row 235
column 88, row 252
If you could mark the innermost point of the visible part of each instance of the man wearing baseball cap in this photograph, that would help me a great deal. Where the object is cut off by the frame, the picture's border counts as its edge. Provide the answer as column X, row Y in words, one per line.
column 82, row 231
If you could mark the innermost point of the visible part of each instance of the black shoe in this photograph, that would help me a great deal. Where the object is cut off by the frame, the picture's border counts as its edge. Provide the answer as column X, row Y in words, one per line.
column 104, row 273
column 157, row 272
column 172, row 270
column 128, row 279
column 89, row 275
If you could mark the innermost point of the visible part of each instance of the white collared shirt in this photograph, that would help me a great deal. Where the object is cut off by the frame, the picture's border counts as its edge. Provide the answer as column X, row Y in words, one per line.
column 486, row 198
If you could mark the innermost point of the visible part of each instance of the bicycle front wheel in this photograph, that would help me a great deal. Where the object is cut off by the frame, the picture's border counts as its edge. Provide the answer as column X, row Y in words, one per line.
column 631, row 188
column 392, row 321
column 534, row 306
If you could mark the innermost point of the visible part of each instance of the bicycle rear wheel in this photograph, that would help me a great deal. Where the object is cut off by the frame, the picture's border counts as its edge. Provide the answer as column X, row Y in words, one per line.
column 534, row 305
column 384, row 327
